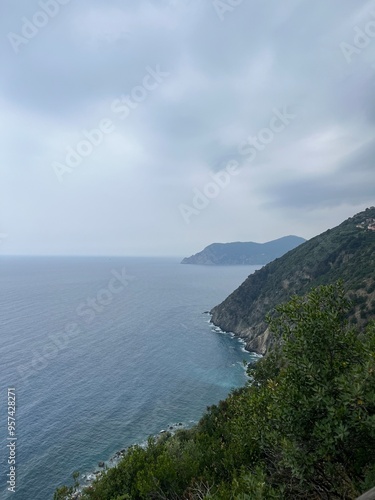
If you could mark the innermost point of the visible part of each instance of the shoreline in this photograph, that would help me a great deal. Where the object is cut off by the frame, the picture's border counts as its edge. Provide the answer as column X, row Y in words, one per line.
column 87, row 479
column 257, row 351
column 241, row 340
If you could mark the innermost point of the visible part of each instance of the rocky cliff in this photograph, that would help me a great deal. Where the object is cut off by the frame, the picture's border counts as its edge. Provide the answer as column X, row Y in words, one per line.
column 346, row 252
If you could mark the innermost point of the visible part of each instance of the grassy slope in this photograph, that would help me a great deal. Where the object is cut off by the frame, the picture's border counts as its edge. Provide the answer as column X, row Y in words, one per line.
column 345, row 252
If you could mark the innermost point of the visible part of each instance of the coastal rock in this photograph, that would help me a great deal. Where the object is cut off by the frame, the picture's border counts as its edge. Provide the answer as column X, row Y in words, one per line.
column 244, row 253
column 346, row 252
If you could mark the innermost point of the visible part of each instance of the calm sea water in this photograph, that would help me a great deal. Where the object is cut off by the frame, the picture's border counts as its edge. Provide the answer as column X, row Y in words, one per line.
column 103, row 352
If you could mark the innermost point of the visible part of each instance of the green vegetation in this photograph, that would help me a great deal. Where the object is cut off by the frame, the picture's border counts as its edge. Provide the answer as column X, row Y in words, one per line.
column 346, row 252
column 304, row 428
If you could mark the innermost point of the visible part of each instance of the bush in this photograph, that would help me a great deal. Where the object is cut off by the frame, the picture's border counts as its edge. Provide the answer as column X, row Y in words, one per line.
column 304, row 428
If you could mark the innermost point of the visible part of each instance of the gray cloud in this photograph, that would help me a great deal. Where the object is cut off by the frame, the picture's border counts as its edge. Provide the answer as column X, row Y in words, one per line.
column 226, row 78
column 351, row 183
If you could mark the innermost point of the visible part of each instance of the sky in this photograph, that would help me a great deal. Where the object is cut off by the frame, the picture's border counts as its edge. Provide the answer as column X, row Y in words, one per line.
column 157, row 127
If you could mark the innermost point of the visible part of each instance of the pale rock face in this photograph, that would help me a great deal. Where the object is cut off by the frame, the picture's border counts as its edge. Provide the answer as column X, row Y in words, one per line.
column 258, row 339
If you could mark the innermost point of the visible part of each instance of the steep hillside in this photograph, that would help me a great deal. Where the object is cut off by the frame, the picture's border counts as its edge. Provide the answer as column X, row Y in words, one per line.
column 345, row 252
column 239, row 253
column 304, row 428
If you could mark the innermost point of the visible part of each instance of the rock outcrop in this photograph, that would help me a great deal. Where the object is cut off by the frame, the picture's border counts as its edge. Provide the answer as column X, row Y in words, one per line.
column 239, row 253
column 346, row 252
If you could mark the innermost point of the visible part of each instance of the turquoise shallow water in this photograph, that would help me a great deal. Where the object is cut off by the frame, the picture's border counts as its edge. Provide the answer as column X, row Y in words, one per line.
column 103, row 352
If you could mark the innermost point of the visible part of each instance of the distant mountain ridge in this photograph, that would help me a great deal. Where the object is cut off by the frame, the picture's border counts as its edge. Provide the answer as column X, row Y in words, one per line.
column 346, row 252
column 242, row 253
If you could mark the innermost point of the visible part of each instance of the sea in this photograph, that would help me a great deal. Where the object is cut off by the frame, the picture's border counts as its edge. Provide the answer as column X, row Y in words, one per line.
column 98, row 353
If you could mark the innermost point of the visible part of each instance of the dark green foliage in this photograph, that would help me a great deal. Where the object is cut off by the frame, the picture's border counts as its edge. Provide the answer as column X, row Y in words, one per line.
column 324, row 399
column 303, row 429
column 346, row 252
column 65, row 491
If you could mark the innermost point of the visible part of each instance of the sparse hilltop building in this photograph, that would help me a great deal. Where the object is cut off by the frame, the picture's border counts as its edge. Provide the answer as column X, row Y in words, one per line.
column 367, row 224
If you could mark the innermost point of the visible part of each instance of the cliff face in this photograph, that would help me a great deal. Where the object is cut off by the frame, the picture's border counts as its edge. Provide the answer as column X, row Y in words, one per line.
column 239, row 253
column 345, row 252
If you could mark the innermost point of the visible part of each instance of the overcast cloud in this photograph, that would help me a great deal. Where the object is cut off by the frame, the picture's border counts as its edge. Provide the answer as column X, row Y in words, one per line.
column 180, row 90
